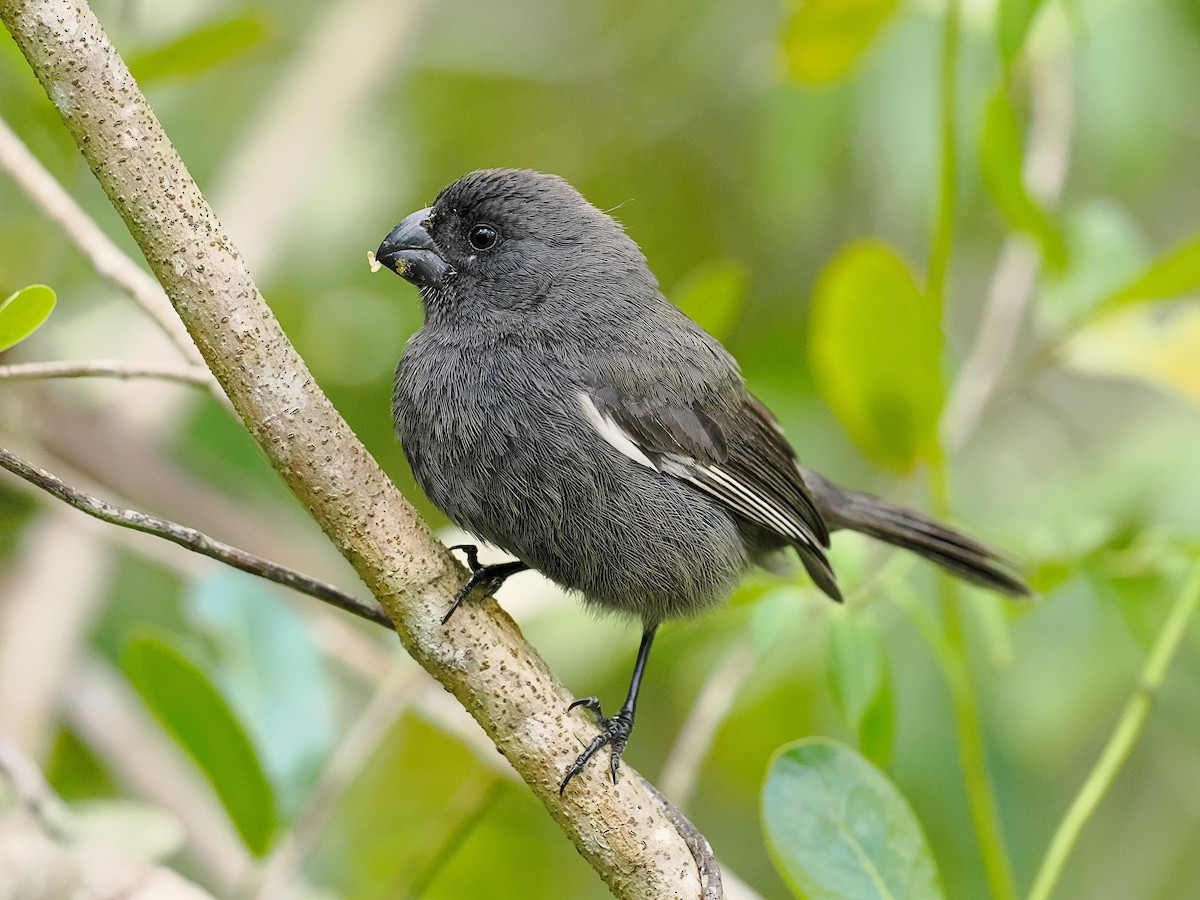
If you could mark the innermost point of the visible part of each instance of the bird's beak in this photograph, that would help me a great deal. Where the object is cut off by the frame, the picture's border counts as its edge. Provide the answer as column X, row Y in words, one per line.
column 411, row 253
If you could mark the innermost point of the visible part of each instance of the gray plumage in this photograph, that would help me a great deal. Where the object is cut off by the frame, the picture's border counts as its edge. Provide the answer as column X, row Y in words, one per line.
column 557, row 405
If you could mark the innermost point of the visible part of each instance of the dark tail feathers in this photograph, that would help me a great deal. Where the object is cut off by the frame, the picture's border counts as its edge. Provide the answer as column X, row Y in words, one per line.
column 953, row 551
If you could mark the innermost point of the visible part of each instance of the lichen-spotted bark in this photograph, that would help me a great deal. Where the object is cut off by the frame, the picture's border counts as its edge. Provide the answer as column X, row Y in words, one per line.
column 481, row 657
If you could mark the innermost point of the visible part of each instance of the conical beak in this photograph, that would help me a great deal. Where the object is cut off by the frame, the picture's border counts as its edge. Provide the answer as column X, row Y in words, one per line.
column 411, row 253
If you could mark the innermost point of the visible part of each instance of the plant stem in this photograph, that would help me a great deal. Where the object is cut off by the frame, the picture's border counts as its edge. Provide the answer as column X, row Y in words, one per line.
column 953, row 649
column 943, row 235
column 1119, row 745
column 981, row 799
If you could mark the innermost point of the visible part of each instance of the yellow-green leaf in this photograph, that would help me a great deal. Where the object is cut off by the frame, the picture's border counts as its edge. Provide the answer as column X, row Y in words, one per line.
column 207, row 47
column 823, row 39
column 1176, row 273
column 23, row 313
column 1001, row 159
column 876, row 345
column 860, row 681
column 1013, row 18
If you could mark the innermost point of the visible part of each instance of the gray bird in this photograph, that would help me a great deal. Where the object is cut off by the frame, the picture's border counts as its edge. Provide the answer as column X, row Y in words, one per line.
column 557, row 405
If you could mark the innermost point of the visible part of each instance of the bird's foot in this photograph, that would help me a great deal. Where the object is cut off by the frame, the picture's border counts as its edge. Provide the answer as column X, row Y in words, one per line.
column 614, row 731
column 491, row 577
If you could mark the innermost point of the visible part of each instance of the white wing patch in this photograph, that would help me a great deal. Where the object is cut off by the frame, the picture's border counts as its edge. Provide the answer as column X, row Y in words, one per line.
column 744, row 499
column 613, row 434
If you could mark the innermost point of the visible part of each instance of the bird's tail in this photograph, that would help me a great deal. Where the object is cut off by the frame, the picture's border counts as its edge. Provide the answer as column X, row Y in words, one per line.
column 954, row 551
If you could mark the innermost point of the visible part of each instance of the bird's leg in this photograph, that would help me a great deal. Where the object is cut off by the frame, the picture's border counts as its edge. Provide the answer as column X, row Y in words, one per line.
column 614, row 730
column 491, row 577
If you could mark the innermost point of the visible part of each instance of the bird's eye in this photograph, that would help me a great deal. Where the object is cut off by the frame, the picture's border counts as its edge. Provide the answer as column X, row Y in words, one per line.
column 483, row 237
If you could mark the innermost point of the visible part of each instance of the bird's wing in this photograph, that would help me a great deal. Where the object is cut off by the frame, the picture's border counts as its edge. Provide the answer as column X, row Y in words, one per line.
column 733, row 452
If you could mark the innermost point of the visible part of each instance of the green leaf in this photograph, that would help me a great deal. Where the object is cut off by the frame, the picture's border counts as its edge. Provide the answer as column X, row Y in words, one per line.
column 823, row 39
column 1175, row 273
column 207, row 47
column 775, row 614
column 876, row 345
column 1013, row 19
column 713, row 294
column 183, row 698
column 23, row 313
column 271, row 672
column 837, row 828
column 1000, row 158
column 860, row 680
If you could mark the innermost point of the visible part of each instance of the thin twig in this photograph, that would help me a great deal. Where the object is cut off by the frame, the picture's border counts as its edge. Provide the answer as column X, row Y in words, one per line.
column 197, row 376
column 34, row 792
column 1121, row 742
column 192, row 540
column 682, row 768
column 109, row 261
column 1014, row 280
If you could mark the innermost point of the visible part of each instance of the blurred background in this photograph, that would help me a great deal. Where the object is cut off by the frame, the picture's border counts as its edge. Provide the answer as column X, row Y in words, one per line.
column 1007, row 340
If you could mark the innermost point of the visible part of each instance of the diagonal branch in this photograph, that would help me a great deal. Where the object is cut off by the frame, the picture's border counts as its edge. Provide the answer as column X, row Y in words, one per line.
column 192, row 540
column 482, row 657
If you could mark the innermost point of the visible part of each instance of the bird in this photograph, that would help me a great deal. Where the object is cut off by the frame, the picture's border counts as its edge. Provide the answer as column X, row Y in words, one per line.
column 555, row 404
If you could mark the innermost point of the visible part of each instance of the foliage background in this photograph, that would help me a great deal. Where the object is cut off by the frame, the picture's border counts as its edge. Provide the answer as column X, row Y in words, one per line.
column 742, row 171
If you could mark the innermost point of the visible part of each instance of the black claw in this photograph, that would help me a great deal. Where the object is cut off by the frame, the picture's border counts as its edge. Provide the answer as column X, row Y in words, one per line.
column 491, row 577
column 589, row 703
column 614, row 732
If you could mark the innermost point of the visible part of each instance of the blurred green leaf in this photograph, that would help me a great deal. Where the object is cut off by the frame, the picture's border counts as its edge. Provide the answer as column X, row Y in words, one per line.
column 182, row 697
column 1013, row 19
column 713, row 294
column 22, row 313
column 837, row 828
column 991, row 611
column 1175, row 273
column 823, row 39
column 775, row 612
column 272, row 673
column 1001, row 161
column 403, row 814
column 877, row 733
column 1104, row 250
column 203, row 49
column 876, row 346
column 857, row 667
column 860, row 680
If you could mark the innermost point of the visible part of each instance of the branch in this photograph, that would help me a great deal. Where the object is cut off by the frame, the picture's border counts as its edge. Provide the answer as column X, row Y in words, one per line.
column 197, row 376
column 192, row 540
column 43, row 858
column 110, row 263
column 482, row 657
column 1015, row 278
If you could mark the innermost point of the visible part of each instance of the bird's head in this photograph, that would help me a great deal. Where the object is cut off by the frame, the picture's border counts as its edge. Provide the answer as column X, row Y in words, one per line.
column 502, row 240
